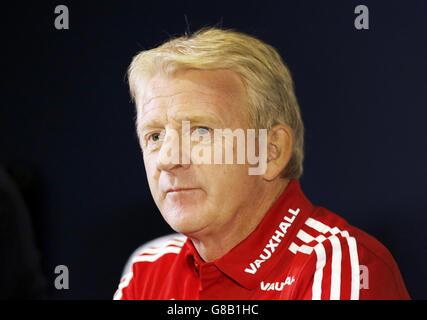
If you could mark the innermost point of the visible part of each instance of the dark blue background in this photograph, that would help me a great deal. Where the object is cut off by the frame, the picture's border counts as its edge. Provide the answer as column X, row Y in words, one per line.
column 66, row 115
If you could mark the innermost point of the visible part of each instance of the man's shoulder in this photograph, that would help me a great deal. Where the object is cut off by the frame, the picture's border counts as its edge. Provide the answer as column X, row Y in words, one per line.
column 147, row 264
column 155, row 251
column 330, row 224
column 344, row 254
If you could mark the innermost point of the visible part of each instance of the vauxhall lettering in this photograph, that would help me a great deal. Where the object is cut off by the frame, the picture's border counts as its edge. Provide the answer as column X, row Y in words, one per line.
column 277, row 286
column 274, row 242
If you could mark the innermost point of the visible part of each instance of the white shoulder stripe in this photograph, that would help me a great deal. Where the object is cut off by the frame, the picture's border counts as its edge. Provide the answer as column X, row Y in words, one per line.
column 153, row 247
column 355, row 268
column 294, row 248
column 156, row 249
column 336, row 268
column 337, row 256
column 304, row 236
column 317, row 225
column 123, row 284
column 154, row 257
column 150, row 251
column 321, row 261
column 318, row 274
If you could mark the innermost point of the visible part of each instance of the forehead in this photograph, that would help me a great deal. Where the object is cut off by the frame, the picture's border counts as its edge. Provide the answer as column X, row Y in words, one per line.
column 218, row 93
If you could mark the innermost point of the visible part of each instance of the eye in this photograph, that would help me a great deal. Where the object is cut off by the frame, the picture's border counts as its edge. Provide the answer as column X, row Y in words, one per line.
column 154, row 137
column 203, row 130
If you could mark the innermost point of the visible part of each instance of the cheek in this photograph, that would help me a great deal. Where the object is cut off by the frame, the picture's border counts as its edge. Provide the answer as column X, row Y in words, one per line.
column 149, row 162
column 224, row 181
column 152, row 173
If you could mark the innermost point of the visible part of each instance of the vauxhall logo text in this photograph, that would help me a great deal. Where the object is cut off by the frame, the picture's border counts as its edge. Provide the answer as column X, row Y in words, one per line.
column 277, row 286
column 274, row 242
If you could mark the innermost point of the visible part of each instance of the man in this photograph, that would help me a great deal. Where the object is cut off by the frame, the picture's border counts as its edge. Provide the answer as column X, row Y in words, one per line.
column 242, row 234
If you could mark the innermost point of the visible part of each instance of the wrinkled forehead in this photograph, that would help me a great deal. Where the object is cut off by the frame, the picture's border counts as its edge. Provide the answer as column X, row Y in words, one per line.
column 214, row 91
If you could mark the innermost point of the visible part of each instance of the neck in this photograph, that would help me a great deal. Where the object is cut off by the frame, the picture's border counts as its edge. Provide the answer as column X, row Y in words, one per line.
column 215, row 244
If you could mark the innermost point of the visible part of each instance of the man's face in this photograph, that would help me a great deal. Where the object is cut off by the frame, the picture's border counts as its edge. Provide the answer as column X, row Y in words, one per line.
column 195, row 198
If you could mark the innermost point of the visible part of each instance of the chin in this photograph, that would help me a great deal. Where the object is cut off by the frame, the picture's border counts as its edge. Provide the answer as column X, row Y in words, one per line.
column 187, row 221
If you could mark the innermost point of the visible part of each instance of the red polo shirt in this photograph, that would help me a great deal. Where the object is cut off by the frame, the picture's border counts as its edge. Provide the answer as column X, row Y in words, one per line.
column 298, row 251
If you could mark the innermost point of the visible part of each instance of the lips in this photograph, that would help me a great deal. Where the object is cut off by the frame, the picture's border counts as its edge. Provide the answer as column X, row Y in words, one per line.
column 176, row 190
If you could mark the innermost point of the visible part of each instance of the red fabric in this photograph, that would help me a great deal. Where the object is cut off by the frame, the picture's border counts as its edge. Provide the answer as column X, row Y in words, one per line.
column 298, row 251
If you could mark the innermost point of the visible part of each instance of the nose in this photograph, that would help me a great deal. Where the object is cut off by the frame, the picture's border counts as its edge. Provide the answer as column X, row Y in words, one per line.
column 170, row 151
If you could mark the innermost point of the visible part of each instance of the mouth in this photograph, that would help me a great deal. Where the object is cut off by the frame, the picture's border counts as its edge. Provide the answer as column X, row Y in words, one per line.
column 179, row 190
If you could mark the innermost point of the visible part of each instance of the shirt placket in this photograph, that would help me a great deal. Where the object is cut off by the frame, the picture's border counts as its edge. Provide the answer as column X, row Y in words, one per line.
column 208, row 277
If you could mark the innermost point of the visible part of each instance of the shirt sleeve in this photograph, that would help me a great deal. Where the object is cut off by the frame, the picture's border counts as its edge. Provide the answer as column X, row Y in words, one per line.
column 380, row 277
column 125, row 290
column 341, row 269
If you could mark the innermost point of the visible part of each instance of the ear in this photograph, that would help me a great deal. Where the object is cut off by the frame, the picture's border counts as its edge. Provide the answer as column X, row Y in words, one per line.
column 279, row 150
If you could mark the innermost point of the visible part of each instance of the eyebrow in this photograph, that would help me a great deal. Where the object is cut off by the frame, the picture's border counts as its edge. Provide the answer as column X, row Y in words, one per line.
column 148, row 124
column 202, row 117
column 198, row 118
